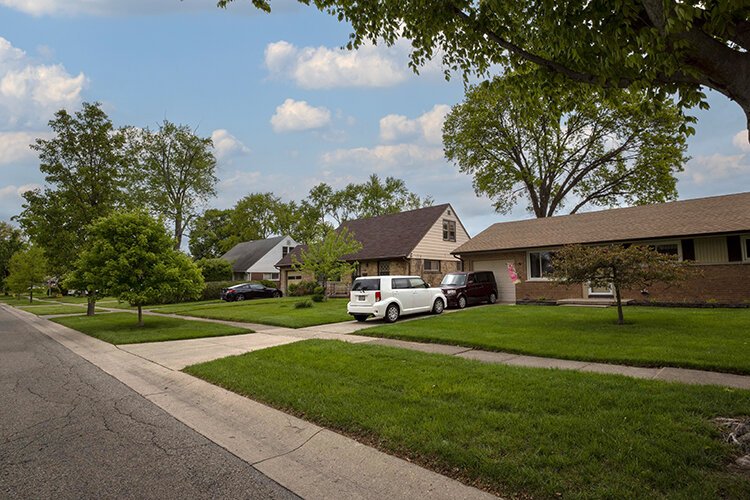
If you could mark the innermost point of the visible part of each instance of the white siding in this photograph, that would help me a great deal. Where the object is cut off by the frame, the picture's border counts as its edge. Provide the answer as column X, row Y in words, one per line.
column 506, row 289
column 433, row 246
column 711, row 250
column 266, row 263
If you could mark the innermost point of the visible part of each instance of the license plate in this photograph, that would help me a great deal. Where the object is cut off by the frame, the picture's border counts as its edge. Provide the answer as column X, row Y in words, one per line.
column 361, row 298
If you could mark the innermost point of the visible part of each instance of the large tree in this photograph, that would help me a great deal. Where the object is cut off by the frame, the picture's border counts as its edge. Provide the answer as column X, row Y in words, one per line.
column 11, row 241
column 131, row 256
column 27, row 269
column 88, row 174
column 324, row 257
column 552, row 145
column 177, row 173
column 665, row 45
column 209, row 234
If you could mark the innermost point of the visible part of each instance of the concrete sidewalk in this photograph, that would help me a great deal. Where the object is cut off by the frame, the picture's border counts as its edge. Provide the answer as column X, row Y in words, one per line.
column 310, row 461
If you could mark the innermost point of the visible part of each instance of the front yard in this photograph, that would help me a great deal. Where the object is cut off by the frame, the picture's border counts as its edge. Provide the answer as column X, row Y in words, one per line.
column 709, row 339
column 519, row 432
column 43, row 309
column 277, row 312
column 121, row 328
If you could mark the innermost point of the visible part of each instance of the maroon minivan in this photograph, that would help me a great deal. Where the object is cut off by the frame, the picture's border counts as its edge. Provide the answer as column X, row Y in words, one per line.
column 462, row 288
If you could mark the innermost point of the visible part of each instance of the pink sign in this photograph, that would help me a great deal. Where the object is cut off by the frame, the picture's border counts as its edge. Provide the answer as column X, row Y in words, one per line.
column 513, row 274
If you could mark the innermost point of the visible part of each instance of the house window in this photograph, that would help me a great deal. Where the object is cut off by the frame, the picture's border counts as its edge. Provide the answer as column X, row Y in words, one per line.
column 746, row 247
column 540, row 264
column 668, row 248
column 449, row 230
column 432, row 265
column 286, row 250
column 294, row 277
column 384, row 268
column 271, row 276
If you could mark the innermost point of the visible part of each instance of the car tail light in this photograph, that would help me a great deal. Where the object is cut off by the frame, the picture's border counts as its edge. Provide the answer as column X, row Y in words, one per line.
column 377, row 297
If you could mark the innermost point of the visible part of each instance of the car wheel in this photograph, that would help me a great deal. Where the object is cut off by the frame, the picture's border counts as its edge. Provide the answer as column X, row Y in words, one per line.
column 462, row 302
column 276, row 294
column 438, row 306
column 360, row 317
column 492, row 298
column 392, row 313
column 240, row 297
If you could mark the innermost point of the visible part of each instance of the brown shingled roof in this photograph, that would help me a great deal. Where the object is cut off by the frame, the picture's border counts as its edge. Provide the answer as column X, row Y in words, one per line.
column 389, row 236
column 702, row 216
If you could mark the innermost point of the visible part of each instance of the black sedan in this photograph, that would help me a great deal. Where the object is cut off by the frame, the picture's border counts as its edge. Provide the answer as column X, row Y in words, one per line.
column 248, row 291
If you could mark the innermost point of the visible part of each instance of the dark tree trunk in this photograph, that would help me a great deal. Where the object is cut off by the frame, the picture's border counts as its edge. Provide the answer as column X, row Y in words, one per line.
column 620, row 319
column 31, row 293
column 90, row 304
column 178, row 231
column 140, row 315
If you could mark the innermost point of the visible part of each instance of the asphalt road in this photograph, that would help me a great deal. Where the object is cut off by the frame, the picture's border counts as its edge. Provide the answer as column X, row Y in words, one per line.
column 69, row 430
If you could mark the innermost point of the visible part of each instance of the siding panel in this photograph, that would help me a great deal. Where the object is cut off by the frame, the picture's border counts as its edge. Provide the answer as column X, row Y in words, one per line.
column 711, row 250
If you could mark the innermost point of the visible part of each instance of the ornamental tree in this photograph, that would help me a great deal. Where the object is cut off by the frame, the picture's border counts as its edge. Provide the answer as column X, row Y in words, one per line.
column 28, row 268
column 525, row 139
column 618, row 266
column 132, row 257
column 666, row 46
column 324, row 257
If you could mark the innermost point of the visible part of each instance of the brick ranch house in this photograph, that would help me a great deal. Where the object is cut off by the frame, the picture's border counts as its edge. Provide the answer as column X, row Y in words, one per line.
column 416, row 242
column 713, row 232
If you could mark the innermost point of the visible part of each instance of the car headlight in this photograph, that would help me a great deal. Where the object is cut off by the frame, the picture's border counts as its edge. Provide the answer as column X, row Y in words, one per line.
column 450, row 292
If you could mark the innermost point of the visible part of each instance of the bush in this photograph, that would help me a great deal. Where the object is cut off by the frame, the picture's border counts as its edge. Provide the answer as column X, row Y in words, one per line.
column 319, row 297
column 215, row 269
column 212, row 289
column 268, row 283
column 302, row 288
column 303, row 304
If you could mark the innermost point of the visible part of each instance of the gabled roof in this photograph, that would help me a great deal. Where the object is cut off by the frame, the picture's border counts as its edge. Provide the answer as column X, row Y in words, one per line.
column 389, row 236
column 701, row 216
column 245, row 254
column 286, row 260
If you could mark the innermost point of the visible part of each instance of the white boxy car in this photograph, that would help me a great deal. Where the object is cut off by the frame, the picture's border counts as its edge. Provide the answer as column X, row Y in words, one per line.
column 389, row 297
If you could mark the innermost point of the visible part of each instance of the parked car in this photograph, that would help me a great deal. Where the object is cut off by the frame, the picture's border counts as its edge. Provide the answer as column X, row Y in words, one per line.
column 389, row 297
column 463, row 288
column 248, row 291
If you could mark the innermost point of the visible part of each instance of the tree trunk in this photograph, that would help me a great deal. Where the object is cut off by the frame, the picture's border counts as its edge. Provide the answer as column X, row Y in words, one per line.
column 90, row 304
column 140, row 315
column 31, row 293
column 620, row 320
column 178, row 231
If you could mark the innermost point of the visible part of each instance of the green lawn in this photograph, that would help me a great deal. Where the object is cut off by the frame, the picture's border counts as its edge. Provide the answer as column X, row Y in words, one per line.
column 11, row 300
column 516, row 431
column 711, row 339
column 278, row 312
column 121, row 328
column 44, row 309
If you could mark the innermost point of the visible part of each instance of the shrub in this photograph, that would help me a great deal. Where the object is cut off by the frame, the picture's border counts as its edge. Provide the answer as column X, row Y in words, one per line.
column 212, row 290
column 319, row 297
column 303, row 304
column 303, row 288
column 215, row 269
column 269, row 283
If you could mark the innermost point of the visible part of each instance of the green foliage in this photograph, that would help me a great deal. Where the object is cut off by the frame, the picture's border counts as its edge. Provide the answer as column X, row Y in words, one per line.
column 662, row 46
column 302, row 288
column 88, row 171
column 131, row 256
column 10, row 243
column 324, row 258
column 319, row 297
column 524, row 138
column 303, row 304
column 177, row 172
column 215, row 269
column 210, row 234
column 621, row 267
column 27, row 270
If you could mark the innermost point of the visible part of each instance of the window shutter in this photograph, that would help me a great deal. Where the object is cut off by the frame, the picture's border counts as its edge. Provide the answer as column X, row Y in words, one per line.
column 734, row 248
column 688, row 249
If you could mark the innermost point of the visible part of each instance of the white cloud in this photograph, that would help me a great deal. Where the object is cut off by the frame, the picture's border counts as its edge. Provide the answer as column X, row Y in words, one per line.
column 226, row 145
column 325, row 68
column 130, row 7
column 294, row 115
column 14, row 146
column 386, row 156
column 741, row 142
column 428, row 125
column 13, row 192
column 703, row 169
column 29, row 92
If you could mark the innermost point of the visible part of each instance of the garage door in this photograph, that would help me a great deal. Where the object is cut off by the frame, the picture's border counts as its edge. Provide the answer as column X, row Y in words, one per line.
column 505, row 287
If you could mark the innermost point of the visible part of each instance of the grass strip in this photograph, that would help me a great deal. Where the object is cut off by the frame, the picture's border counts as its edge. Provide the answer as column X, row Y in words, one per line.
column 515, row 431
column 46, row 309
column 122, row 328
column 277, row 312
column 708, row 339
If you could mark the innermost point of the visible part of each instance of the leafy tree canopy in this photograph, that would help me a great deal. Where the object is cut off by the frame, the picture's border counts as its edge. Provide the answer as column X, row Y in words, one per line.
column 621, row 267
column 131, row 255
column 666, row 46
column 215, row 269
column 523, row 138
column 324, row 257
column 28, row 268
column 11, row 241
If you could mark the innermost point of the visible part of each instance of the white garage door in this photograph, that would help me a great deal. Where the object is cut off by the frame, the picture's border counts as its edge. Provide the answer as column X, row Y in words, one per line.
column 505, row 287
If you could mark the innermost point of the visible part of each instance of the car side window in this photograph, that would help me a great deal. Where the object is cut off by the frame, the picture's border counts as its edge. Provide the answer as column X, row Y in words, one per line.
column 399, row 283
column 417, row 283
column 471, row 279
column 256, row 287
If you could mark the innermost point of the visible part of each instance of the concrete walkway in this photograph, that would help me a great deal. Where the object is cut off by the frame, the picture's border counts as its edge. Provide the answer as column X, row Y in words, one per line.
column 181, row 353
column 309, row 460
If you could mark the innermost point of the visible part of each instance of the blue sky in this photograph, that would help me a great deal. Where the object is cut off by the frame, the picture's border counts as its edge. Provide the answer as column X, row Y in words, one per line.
column 286, row 107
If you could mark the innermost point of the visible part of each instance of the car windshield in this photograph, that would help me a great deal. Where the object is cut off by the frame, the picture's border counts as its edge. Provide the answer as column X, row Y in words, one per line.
column 365, row 284
column 454, row 279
